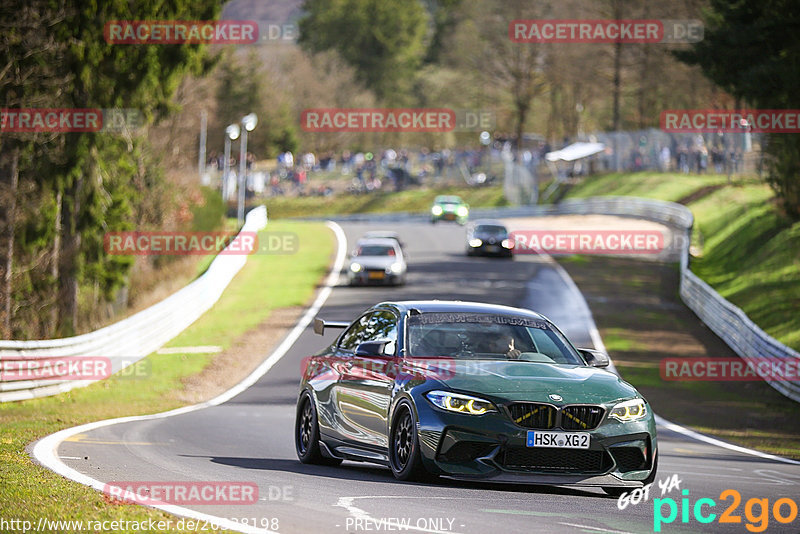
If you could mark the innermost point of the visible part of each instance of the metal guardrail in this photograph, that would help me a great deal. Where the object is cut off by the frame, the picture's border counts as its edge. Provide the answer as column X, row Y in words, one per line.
column 129, row 340
column 726, row 320
column 134, row 338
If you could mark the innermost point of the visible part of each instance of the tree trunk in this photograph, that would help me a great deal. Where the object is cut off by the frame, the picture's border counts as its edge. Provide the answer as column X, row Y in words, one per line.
column 644, row 77
column 8, row 239
column 69, row 255
column 617, row 89
column 54, row 264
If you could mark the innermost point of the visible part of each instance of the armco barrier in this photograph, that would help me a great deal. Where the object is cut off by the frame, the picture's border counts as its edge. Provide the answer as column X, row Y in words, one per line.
column 729, row 322
column 131, row 339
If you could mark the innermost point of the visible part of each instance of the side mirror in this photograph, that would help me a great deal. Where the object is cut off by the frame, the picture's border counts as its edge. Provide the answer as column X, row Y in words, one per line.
column 372, row 349
column 595, row 358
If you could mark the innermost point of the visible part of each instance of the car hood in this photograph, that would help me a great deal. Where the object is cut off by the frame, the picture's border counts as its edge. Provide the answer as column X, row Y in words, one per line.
column 450, row 207
column 375, row 262
column 490, row 237
column 527, row 381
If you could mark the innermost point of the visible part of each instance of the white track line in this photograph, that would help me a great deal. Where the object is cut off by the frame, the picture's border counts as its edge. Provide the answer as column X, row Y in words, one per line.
column 719, row 443
column 45, row 450
column 597, row 341
column 598, row 529
column 598, row 344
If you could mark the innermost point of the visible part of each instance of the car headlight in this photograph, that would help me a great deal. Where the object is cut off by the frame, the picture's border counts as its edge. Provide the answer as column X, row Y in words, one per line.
column 437, row 210
column 456, row 402
column 475, row 242
column 462, row 211
column 395, row 268
column 355, row 267
column 630, row 410
column 507, row 243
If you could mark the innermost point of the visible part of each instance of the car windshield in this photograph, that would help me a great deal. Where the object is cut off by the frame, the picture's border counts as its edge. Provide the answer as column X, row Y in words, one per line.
column 375, row 250
column 448, row 200
column 493, row 230
column 478, row 336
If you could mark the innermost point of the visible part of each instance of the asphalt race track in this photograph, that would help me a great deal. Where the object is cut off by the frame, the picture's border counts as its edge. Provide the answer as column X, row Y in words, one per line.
column 249, row 438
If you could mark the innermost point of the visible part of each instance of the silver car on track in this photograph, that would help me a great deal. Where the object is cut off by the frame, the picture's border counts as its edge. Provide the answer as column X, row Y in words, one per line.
column 377, row 261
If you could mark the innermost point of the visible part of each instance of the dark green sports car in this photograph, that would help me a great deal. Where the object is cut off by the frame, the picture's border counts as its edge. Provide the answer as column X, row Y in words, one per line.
column 472, row 391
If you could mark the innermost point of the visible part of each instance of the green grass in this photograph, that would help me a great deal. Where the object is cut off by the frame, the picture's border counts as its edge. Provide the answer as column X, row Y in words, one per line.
column 777, row 414
column 657, row 185
column 266, row 283
column 615, row 341
column 750, row 254
column 412, row 200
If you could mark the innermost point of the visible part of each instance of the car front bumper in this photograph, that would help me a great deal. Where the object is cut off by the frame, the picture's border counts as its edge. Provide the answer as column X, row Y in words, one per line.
column 491, row 447
column 450, row 216
column 487, row 249
column 375, row 277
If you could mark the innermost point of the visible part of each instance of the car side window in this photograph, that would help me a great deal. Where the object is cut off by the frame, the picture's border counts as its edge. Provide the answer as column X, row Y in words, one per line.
column 354, row 335
column 372, row 326
column 383, row 325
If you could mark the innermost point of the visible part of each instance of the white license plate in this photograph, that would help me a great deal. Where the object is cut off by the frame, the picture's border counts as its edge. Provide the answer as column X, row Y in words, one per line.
column 558, row 440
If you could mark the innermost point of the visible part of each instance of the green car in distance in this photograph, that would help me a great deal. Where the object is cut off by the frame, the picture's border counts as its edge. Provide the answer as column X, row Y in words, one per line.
column 449, row 208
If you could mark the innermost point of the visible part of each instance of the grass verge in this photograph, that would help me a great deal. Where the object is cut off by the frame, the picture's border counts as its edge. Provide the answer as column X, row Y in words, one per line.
column 750, row 253
column 412, row 200
column 265, row 284
column 642, row 328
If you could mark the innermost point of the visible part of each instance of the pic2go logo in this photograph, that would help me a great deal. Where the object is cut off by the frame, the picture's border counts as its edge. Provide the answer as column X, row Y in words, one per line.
column 756, row 511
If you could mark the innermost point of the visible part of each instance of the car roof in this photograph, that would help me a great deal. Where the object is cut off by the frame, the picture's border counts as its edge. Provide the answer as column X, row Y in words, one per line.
column 448, row 198
column 429, row 306
column 386, row 241
column 487, row 222
column 378, row 234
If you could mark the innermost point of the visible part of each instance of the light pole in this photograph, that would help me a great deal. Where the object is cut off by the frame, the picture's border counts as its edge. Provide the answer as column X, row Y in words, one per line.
column 248, row 124
column 231, row 133
column 201, row 163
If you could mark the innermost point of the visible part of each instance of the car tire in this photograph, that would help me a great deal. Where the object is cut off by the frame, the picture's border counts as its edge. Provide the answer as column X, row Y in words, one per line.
column 405, row 458
column 306, row 434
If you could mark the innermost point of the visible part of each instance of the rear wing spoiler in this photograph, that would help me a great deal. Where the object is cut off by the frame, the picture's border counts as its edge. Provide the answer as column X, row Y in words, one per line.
column 320, row 325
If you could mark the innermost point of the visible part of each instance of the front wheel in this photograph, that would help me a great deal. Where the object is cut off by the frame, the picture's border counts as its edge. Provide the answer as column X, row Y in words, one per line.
column 306, row 434
column 404, row 455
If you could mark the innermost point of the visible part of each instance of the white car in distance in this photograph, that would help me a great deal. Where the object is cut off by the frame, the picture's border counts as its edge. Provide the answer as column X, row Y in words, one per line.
column 377, row 261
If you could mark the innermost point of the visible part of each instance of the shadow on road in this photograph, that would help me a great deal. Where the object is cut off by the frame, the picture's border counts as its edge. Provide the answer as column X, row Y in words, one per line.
column 371, row 473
